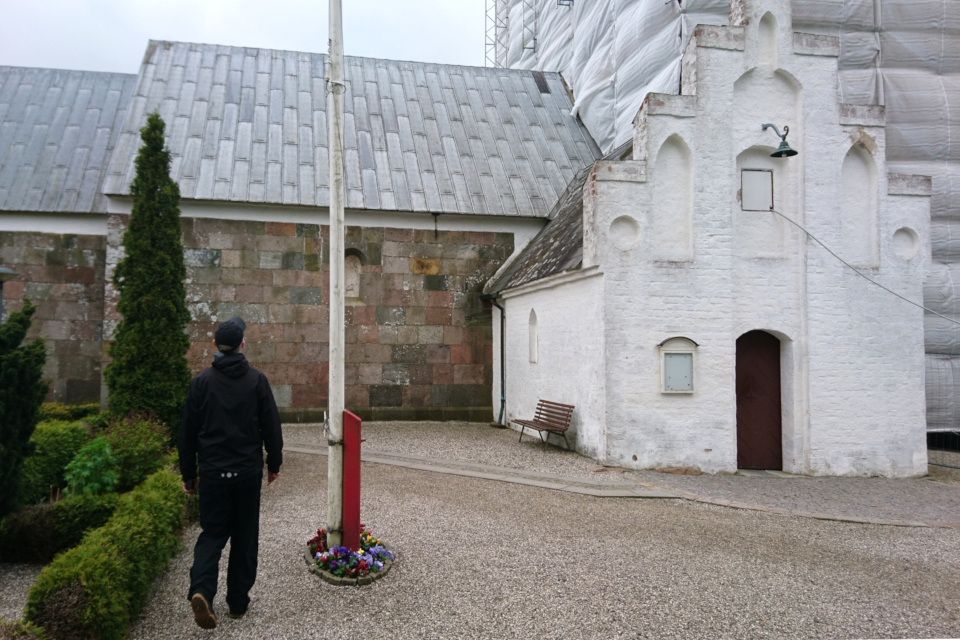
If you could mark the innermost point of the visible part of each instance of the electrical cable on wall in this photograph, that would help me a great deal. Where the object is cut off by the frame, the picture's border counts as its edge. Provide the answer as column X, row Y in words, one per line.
column 860, row 273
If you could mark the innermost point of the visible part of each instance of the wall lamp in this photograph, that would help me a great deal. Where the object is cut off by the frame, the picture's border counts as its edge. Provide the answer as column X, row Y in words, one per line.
column 785, row 150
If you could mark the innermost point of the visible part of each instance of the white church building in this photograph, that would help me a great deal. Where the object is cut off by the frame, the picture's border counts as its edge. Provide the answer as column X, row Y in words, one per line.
column 704, row 304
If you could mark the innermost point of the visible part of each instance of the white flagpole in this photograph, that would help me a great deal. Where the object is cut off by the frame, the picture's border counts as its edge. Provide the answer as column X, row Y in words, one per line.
column 336, row 394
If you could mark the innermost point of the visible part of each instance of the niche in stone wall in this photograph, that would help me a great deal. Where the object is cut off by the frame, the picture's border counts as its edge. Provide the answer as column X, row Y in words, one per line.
column 672, row 224
column 352, row 267
column 759, row 233
column 858, row 208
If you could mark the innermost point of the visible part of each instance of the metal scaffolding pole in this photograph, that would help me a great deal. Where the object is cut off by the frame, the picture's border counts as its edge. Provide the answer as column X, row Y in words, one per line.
column 335, row 400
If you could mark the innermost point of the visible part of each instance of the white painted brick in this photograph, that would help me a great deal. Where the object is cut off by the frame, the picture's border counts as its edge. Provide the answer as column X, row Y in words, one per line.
column 852, row 362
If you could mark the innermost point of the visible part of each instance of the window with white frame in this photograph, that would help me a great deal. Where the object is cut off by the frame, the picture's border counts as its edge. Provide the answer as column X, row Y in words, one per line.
column 677, row 356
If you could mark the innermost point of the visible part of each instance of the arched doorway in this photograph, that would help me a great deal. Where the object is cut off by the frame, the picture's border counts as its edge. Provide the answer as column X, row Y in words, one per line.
column 759, row 426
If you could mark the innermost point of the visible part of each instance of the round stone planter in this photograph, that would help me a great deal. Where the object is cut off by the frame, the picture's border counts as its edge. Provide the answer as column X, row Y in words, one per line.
column 337, row 581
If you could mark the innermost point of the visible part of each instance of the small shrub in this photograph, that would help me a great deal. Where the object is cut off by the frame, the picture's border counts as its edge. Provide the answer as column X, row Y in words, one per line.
column 55, row 445
column 98, row 421
column 138, row 443
column 95, row 589
column 19, row 629
column 39, row 532
column 70, row 412
column 93, row 469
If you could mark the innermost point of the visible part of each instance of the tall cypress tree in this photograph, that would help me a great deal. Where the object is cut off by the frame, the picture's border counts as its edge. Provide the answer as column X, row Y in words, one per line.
column 21, row 393
column 149, row 371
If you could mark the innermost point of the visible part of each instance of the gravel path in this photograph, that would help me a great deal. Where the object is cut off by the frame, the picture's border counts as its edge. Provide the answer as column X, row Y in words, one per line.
column 932, row 499
column 463, row 442
column 483, row 559
column 486, row 559
column 15, row 582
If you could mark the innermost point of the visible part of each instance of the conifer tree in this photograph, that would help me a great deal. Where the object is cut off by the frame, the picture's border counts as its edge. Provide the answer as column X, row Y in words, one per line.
column 149, row 371
column 21, row 393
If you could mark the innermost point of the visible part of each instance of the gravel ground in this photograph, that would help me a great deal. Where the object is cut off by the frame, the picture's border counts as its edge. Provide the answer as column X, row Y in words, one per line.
column 482, row 559
column 15, row 582
column 934, row 498
column 464, row 442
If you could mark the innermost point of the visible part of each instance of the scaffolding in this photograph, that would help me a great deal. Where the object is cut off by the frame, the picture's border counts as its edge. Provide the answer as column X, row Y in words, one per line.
column 497, row 34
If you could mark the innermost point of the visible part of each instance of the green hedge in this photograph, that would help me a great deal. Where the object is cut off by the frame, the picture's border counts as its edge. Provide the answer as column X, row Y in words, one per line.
column 69, row 412
column 96, row 589
column 56, row 443
column 39, row 532
column 17, row 629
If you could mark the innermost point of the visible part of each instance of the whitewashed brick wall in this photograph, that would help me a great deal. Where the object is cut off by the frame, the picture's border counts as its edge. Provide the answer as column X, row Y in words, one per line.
column 852, row 362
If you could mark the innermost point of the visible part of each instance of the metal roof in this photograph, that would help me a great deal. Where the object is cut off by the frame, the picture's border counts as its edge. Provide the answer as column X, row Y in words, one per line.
column 249, row 125
column 57, row 130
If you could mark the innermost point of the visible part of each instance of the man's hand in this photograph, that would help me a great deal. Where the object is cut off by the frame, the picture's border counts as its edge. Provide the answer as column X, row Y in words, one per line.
column 192, row 487
column 272, row 476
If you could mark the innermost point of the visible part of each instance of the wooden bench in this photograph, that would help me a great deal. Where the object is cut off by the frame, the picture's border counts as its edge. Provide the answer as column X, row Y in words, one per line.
column 550, row 417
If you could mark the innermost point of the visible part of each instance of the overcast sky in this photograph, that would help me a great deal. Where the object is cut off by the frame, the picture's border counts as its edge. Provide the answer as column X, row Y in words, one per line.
column 112, row 35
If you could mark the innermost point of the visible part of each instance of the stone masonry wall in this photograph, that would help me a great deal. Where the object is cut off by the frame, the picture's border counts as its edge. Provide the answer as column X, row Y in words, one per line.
column 419, row 340
column 63, row 276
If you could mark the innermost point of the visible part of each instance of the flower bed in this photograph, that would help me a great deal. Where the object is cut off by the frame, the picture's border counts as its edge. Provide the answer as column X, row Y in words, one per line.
column 342, row 567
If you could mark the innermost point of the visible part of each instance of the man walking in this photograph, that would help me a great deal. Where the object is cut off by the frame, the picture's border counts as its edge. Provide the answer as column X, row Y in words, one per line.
column 229, row 418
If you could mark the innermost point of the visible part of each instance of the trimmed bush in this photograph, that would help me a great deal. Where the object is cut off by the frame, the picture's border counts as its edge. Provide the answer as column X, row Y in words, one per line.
column 21, row 394
column 93, row 469
column 149, row 370
column 138, row 443
column 18, row 629
column 96, row 589
column 38, row 533
column 70, row 412
column 55, row 445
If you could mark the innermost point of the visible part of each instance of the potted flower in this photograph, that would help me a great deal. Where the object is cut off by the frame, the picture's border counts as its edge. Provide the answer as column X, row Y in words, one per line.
column 342, row 566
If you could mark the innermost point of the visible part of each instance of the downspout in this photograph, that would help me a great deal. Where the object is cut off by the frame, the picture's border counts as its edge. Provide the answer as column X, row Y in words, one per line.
column 492, row 297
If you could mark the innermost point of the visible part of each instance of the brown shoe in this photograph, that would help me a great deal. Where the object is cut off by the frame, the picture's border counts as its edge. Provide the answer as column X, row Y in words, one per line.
column 236, row 616
column 202, row 613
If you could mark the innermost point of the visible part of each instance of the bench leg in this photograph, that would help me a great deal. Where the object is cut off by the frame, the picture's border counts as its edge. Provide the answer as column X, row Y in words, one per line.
column 521, row 434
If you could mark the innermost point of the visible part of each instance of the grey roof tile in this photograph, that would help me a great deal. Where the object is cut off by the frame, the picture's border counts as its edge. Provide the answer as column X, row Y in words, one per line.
column 557, row 248
column 57, row 130
column 419, row 137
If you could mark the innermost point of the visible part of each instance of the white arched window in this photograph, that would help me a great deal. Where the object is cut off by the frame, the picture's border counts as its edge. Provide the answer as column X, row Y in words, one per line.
column 676, row 365
column 534, row 338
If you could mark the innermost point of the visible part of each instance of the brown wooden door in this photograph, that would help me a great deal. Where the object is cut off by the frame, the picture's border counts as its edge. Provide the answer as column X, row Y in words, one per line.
column 758, row 402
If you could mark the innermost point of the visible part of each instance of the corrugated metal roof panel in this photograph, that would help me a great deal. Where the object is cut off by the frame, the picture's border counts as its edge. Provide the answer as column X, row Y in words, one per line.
column 421, row 137
column 57, row 130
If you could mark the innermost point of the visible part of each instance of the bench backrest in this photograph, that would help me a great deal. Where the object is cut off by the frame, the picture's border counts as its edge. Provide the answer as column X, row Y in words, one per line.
column 554, row 413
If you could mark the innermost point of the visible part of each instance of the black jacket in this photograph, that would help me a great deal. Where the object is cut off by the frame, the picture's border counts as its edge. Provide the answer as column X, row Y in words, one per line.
column 229, row 417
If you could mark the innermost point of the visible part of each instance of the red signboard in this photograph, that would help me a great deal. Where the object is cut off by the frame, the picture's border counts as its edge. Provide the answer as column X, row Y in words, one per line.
column 351, row 481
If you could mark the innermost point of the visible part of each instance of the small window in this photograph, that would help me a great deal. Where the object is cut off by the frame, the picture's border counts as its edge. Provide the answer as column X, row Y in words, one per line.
column 676, row 365
column 756, row 190
column 534, row 338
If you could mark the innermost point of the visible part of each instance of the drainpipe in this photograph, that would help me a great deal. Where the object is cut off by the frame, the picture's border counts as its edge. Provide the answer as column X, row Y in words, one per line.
column 492, row 297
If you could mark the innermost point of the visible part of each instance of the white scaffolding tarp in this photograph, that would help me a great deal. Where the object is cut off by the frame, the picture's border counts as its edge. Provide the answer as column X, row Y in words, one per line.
column 903, row 54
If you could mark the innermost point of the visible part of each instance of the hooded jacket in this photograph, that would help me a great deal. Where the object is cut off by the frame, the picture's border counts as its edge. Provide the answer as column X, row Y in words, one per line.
column 229, row 418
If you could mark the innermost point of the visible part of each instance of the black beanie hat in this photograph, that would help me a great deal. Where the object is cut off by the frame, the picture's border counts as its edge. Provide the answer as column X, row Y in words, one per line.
column 230, row 332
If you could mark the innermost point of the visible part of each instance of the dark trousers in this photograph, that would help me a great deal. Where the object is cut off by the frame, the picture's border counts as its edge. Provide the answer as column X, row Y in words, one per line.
column 227, row 511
